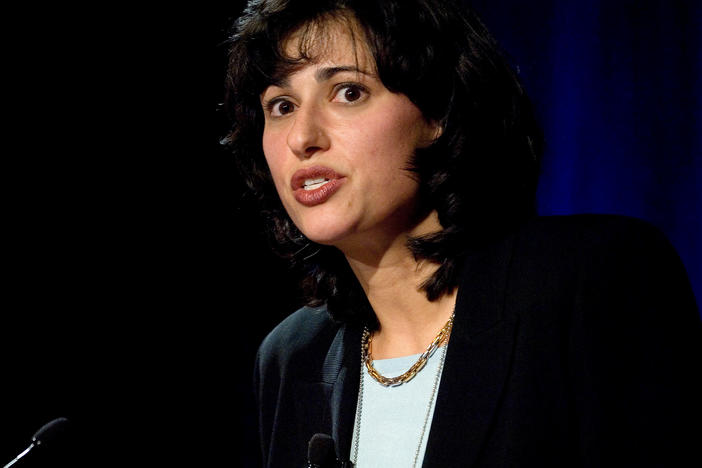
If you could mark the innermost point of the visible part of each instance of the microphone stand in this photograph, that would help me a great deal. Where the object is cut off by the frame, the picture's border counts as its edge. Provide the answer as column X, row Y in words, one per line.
column 25, row 452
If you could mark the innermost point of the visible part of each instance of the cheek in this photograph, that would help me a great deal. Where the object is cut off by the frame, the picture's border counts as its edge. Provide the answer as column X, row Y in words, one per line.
column 274, row 153
column 399, row 122
column 390, row 141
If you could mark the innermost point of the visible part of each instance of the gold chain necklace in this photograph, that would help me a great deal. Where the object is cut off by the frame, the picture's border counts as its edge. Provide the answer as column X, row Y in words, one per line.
column 367, row 358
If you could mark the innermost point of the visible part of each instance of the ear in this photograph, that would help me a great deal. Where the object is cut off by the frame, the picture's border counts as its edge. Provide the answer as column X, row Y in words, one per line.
column 433, row 131
column 438, row 130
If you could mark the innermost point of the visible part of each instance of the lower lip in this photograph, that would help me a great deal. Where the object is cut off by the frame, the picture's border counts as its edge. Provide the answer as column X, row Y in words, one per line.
column 318, row 195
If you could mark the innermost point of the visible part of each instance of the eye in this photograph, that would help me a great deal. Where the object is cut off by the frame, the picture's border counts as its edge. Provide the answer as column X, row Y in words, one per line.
column 350, row 93
column 280, row 107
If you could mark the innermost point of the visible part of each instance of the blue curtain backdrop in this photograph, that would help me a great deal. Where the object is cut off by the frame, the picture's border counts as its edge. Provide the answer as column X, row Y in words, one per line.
column 616, row 85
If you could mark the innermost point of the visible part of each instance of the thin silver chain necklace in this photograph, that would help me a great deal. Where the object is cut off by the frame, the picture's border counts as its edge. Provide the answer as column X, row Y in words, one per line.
column 359, row 406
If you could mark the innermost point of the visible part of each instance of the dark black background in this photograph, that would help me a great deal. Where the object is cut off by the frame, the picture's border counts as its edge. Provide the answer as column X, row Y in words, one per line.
column 136, row 289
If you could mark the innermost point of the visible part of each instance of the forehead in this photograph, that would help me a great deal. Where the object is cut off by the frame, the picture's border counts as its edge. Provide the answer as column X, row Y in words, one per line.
column 333, row 40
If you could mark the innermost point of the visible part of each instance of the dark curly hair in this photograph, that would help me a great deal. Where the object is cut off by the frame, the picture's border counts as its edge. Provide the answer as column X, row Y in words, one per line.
column 480, row 175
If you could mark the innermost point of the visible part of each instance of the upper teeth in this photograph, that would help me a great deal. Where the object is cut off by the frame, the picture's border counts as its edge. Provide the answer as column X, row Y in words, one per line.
column 311, row 184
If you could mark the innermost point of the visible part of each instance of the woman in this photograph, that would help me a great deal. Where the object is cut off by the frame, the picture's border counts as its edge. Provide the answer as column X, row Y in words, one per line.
column 396, row 156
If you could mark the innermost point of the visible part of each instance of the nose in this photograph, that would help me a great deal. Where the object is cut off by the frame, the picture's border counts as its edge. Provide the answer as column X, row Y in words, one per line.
column 308, row 134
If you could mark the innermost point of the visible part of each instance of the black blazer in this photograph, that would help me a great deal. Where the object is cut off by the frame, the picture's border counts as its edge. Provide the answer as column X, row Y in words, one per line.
column 576, row 342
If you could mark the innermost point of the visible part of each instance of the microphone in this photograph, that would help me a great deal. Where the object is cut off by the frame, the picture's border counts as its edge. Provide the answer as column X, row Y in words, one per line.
column 320, row 452
column 46, row 435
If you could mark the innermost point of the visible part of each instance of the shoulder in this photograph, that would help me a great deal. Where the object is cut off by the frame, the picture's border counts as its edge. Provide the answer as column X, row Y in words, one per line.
column 592, row 227
column 300, row 334
column 297, row 330
column 598, row 258
column 590, row 234
column 615, row 262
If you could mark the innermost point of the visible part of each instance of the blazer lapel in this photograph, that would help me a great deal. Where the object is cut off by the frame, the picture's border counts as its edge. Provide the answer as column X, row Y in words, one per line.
column 344, row 394
column 477, row 361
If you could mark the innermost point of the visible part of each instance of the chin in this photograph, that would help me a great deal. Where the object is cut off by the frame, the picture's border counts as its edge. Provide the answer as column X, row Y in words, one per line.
column 325, row 233
column 324, row 238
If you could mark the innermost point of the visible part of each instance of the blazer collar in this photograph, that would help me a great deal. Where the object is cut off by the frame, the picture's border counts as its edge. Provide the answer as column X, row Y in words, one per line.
column 477, row 364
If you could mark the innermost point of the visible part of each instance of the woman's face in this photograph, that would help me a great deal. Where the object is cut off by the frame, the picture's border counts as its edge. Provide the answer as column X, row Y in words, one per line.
column 338, row 143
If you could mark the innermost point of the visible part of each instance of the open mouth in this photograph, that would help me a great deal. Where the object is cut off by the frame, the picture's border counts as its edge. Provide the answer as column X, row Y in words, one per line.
column 314, row 185
column 311, row 184
column 312, row 178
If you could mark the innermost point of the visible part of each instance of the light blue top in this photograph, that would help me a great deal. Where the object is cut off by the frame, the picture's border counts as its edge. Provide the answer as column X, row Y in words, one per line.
column 392, row 417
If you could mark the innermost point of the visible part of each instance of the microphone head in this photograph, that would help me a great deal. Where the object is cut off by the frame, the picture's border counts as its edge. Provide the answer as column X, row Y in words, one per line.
column 320, row 450
column 50, row 431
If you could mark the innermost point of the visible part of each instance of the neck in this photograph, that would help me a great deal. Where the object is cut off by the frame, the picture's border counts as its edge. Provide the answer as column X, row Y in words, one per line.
column 391, row 279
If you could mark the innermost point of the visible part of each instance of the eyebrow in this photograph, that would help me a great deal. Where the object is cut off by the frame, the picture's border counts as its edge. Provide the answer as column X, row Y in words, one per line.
column 323, row 74
column 326, row 73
